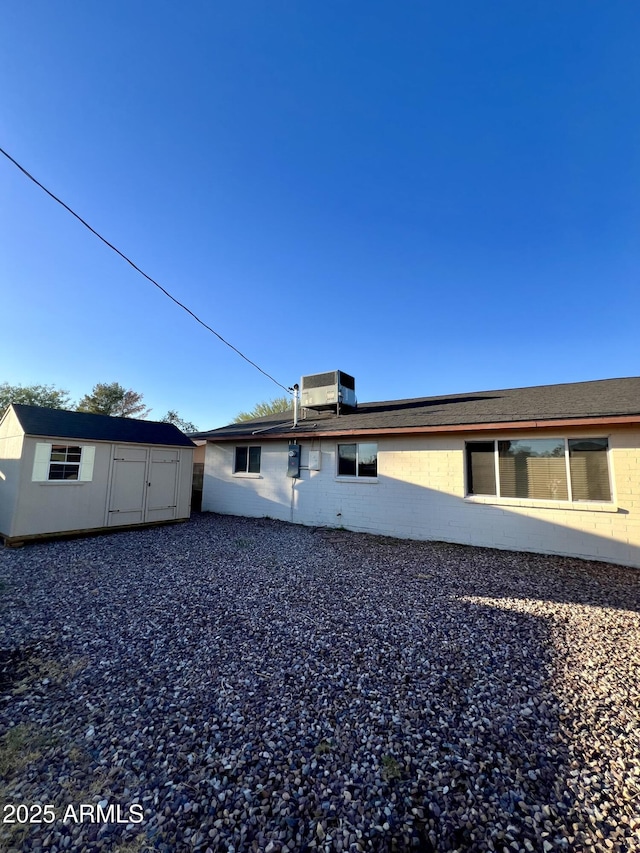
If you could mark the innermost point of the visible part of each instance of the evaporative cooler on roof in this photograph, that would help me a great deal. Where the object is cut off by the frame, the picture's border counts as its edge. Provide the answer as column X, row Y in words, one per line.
column 333, row 390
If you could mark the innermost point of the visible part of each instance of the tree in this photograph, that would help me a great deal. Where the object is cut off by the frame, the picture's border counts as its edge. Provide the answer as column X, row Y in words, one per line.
column 172, row 417
column 112, row 399
column 268, row 407
column 34, row 395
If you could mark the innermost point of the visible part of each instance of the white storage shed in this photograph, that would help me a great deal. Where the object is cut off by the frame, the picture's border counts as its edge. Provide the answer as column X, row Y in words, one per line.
column 69, row 472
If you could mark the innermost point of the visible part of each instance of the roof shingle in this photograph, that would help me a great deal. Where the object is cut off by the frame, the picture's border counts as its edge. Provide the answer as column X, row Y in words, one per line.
column 578, row 400
column 39, row 421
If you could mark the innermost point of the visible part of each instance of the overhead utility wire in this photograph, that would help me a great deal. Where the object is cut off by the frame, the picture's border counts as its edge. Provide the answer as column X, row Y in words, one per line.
column 142, row 272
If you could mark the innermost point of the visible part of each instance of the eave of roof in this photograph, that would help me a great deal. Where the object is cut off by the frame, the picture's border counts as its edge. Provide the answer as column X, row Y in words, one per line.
column 554, row 423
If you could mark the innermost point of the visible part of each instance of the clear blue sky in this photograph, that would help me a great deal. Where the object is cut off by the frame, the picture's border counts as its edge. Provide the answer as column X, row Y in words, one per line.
column 435, row 197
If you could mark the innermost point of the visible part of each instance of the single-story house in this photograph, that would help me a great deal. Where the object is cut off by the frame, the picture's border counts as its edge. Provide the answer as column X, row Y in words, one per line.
column 550, row 469
column 70, row 472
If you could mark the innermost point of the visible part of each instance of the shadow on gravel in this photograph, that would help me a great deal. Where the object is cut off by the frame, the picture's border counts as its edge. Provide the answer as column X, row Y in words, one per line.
column 267, row 687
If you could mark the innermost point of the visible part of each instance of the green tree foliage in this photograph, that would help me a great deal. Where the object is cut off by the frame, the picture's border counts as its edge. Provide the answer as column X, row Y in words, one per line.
column 111, row 398
column 172, row 417
column 268, row 407
column 34, row 395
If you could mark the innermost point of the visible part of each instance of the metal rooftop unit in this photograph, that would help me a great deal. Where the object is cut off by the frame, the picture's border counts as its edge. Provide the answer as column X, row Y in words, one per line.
column 334, row 390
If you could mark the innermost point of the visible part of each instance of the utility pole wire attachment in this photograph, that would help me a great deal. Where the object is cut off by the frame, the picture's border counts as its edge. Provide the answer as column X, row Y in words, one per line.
column 142, row 272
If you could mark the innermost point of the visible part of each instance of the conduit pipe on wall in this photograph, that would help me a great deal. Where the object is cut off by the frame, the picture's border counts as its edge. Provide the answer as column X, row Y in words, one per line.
column 296, row 389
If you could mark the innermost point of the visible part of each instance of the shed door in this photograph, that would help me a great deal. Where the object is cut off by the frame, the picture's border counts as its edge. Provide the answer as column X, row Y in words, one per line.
column 162, row 485
column 128, row 486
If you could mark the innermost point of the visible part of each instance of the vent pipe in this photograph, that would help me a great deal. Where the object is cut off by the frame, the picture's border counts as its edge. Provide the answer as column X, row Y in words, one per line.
column 296, row 389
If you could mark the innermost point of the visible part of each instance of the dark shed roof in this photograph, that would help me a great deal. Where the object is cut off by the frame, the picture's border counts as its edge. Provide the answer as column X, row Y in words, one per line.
column 603, row 398
column 59, row 423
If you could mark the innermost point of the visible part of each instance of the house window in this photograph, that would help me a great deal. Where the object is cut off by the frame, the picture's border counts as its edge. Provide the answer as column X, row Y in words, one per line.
column 589, row 467
column 555, row 469
column 481, row 468
column 63, row 462
column 358, row 460
column 247, row 460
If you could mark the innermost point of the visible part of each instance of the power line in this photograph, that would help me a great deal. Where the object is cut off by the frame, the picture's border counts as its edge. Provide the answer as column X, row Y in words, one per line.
column 142, row 272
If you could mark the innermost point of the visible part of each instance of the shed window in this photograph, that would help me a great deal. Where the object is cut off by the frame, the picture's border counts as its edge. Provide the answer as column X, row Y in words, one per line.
column 247, row 460
column 63, row 462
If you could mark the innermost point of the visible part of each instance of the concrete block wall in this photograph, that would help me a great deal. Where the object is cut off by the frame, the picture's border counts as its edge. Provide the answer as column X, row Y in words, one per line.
column 253, row 495
column 420, row 493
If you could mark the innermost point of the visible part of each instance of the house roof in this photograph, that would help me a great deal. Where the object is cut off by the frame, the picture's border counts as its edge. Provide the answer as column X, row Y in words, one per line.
column 39, row 421
column 597, row 402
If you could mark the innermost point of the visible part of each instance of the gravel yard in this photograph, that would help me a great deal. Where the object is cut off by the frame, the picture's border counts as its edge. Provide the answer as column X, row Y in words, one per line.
column 236, row 684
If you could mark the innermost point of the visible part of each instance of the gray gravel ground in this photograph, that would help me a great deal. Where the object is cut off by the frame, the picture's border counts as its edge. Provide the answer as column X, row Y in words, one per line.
column 255, row 686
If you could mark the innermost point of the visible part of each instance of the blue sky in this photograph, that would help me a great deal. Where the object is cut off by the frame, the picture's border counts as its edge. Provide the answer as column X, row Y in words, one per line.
column 435, row 197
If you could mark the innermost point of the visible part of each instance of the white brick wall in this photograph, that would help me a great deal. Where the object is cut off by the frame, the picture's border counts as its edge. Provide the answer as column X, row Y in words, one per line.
column 420, row 494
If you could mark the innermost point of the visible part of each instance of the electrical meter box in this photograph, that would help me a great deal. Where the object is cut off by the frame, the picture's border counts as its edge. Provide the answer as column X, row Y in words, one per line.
column 293, row 461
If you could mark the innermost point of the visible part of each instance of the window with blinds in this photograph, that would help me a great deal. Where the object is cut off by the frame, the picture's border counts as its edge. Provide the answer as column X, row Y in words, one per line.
column 588, row 463
column 556, row 469
column 481, row 468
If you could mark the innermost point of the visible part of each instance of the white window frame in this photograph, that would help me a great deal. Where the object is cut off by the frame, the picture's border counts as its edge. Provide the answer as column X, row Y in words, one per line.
column 246, row 472
column 42, row 462
column 480, row 498
column 363, row 478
